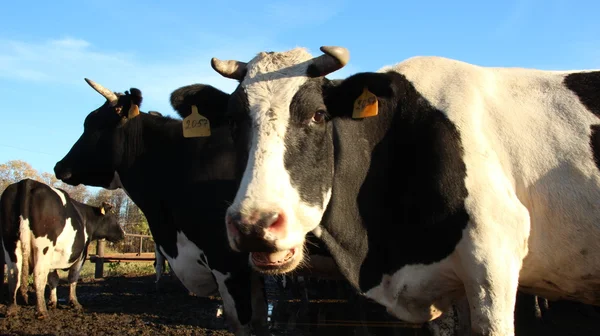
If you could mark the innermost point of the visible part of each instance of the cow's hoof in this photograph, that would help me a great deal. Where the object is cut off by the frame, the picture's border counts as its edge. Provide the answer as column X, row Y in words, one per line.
column 76, row 306
column 52, row 305
column 12, row 310
column 42, row 315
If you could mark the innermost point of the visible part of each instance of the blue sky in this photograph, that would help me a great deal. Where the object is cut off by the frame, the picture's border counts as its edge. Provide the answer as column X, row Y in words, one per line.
column 47, row 48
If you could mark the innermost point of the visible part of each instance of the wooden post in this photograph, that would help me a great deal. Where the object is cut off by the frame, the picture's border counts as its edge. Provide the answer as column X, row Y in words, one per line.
column 99, row 259
column 141, row 241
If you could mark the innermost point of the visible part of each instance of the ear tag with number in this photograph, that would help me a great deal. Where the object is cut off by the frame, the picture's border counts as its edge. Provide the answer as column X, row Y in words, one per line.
column 366, row 105
column 195, row 125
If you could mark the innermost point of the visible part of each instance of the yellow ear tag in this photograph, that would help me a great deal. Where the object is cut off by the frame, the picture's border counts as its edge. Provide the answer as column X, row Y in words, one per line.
column 102, row 211
column 366, row 105
column 134, row 111
column 195, row 125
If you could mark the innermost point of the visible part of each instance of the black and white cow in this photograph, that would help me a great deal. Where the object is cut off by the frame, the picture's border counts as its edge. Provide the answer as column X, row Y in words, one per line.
column 182, row 185
column 45, row 230
column 468, row 182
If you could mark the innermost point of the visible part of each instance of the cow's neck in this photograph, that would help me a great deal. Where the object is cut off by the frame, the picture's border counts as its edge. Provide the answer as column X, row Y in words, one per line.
column 398, row 195
column 159, row 161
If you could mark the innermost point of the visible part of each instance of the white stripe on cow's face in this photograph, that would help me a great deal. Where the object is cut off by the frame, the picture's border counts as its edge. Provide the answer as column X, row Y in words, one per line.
column 270, row 84
column 61, row 195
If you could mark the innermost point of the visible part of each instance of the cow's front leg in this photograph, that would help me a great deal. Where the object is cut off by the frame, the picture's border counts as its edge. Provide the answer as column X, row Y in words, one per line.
column 491, row 256
column 53, row 283
column 259, row 305
column 74, row 271
column 235, row 291
column 159, row 266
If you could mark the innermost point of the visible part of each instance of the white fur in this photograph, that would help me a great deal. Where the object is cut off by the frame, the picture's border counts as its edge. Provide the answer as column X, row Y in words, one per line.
column 61, row 195
column 270, row 84
column 195, row 277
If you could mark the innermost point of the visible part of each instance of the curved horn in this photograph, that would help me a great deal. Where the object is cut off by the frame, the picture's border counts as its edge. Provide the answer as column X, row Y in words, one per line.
column 106, row 93
column 229, row 69
column 334, row 58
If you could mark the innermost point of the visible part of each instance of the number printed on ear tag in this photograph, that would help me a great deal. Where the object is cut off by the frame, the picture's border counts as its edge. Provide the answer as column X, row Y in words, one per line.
column 196, row 125
column 366, row 105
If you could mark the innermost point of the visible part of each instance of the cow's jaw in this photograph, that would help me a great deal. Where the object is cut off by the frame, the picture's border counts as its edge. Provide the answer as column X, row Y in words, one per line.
column 279, row 262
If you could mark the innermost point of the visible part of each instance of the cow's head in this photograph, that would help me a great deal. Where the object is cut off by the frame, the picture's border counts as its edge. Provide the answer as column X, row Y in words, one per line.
column 105, row 225
column 282, row 111
column 100, row 149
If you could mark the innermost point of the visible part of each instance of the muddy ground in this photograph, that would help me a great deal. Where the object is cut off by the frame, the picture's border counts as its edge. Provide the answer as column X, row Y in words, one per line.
column 130, row 305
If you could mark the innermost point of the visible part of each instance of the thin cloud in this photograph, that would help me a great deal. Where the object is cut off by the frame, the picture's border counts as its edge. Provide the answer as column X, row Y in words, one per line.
column 67, row 61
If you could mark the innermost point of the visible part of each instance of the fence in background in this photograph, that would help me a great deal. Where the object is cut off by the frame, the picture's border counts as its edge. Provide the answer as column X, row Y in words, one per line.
column 101, row 257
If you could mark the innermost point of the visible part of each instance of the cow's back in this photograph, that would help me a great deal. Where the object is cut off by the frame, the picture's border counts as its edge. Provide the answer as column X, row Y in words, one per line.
column 534, row 131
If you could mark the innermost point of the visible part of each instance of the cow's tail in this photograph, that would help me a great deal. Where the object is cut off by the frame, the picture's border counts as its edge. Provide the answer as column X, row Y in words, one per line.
column 24, row 232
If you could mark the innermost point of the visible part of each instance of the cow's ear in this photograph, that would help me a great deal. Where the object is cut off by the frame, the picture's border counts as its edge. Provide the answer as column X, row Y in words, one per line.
column 359, row 96
column 105, row 207
column 130, row 104
column 210, row 102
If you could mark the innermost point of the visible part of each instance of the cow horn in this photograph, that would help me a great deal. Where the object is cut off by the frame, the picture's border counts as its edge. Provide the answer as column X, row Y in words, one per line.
column 230, row 69
column 106, row 93
column 334, row 58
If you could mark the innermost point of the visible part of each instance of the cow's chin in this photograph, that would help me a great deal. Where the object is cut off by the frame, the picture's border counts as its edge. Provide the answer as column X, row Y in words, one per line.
column 280, row 262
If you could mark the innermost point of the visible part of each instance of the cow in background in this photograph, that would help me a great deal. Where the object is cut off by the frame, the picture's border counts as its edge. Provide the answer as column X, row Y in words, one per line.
column 182, row 185
column 44, row 229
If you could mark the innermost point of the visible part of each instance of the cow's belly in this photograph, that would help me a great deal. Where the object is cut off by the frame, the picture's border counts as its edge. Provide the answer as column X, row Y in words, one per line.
column 191, row 267
column 56, row 256
column 563, row 261
column 418, row 293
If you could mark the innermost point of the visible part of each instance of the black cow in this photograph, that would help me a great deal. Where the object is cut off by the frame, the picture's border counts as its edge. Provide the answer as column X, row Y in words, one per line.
column 182, row 185
column 45, row 229
column 429, row 181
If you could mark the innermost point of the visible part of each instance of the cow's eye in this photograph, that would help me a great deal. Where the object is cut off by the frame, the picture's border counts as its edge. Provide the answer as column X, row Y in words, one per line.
column 319, row 117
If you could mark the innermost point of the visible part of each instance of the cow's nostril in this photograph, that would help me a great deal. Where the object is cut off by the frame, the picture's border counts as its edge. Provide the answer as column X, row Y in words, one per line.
column 274, row 221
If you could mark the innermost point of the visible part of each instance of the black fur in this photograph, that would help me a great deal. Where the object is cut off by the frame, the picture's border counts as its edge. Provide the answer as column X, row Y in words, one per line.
column 211, row 102
column 399, row 186
column 180, row 184
column 586, row 85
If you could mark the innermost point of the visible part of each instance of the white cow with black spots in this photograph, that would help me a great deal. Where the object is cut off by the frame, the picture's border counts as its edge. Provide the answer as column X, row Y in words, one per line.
column 445, row 180
column 45, row 230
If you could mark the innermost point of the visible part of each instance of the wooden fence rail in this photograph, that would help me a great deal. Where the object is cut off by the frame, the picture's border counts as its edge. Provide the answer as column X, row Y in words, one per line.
column 101, row 257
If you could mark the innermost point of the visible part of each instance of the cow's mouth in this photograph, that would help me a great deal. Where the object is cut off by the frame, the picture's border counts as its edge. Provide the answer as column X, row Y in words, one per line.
column 276, row 262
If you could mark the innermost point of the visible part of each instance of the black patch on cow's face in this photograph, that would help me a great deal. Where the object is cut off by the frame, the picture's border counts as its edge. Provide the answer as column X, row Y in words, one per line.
column 45, row 250
column 308, row 147
column 586, row 85
column 409, row 207
column 241, row 127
